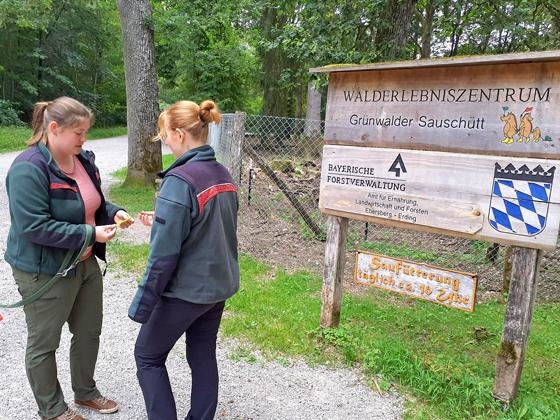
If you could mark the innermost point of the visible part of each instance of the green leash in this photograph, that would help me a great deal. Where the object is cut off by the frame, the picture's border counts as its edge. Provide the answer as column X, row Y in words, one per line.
column 68, row 264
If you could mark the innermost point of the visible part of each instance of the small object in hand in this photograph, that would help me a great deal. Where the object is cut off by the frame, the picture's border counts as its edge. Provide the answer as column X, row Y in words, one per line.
column 128, row 219
column 146, row 217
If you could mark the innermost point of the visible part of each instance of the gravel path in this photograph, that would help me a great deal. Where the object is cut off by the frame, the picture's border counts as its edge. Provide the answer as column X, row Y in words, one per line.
column 257, row 390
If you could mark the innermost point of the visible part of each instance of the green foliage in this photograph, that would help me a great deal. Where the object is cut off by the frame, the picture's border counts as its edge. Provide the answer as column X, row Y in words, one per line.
column 248, row 55
column 50, row 49
column 497, row 27
column 437, row 355
column 8, row 115
column 27, row 14
column 202, row 54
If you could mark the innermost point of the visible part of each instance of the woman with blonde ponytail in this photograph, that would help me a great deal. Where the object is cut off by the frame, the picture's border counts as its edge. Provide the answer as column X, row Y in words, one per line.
column 57, row 209
column 192, row 268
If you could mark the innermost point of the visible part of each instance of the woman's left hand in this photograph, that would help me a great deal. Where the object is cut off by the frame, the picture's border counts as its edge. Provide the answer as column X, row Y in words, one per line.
column 123, row 219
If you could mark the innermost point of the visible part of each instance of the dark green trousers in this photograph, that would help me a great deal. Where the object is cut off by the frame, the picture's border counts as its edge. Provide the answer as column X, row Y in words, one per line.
column 77, row 300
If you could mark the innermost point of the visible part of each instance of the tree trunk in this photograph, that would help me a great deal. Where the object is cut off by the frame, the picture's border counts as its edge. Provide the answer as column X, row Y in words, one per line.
column 276, row 99
column 428, row 29
column 144, row 156
column 393, row 34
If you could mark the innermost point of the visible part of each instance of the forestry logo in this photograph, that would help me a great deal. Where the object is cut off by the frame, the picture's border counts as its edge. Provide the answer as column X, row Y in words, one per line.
column 520, row 199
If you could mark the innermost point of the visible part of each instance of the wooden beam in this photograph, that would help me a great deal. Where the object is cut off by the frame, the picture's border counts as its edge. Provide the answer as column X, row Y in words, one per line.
column 519, row 313
column 473, row 60
column 335, row 252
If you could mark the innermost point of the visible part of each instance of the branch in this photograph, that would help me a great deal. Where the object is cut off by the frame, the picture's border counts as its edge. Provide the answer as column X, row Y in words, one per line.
column 53, row 23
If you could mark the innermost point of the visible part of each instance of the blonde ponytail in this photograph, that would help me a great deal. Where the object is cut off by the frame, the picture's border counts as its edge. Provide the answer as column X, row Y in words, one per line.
column 38, row 129
column 67, row 112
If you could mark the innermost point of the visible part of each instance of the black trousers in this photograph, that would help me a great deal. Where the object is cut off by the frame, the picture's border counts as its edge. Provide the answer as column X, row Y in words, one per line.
column 169, row 320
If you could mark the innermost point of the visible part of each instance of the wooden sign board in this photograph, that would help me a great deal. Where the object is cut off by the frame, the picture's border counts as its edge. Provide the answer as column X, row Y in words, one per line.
column 501, row 199
column 507, row 109
column 446, row 287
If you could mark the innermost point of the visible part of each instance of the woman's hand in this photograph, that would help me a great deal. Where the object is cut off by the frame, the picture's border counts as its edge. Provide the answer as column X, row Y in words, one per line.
column 146, row 217
column 123, row 219
column 105, row 233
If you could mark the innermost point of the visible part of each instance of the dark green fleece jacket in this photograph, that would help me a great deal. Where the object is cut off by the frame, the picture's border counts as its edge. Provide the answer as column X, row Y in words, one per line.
column 47, row 212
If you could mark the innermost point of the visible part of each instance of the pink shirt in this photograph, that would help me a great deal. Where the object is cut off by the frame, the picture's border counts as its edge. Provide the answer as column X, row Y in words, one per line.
column 90, row 196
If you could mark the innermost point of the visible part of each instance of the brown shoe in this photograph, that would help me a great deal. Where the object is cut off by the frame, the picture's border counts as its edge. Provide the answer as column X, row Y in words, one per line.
column 101, row 405
column 67, row 415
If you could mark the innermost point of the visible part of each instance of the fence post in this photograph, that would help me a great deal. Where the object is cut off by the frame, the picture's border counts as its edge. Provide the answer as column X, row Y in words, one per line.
column 335, row 252
column 517, row 323
column 237, row 144
column 313, row 114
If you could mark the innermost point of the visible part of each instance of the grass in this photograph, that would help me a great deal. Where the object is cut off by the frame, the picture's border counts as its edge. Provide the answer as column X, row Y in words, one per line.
column 133, row 198
column 106, row 132
column 14, row 138
column 442, row 359
column 138, row 197
column 128, row 257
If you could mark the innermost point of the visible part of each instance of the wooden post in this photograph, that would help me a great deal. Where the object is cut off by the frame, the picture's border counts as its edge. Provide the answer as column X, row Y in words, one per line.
column 335, row 252
column 519, row 312
column 313, row 115
column 506, row 275
column 237, row 145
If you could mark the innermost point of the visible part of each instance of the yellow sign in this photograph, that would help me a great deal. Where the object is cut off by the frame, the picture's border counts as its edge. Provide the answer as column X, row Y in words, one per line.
column 446, row 287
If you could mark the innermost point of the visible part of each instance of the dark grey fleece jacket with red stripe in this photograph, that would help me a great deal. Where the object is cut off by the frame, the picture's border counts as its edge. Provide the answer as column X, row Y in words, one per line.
column 47, row 211
column 193, row 246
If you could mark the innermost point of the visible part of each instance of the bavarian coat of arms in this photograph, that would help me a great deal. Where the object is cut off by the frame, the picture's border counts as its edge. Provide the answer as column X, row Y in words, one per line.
column 520, row 199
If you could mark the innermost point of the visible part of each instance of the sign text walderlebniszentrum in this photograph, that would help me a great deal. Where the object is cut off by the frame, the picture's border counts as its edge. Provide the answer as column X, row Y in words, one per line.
column 502, row 109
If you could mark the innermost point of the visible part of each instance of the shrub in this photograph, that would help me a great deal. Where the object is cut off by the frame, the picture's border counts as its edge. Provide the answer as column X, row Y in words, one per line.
column 8, row 115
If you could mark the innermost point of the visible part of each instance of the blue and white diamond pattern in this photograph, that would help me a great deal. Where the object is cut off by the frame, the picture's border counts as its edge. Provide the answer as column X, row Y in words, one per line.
column 519, row 207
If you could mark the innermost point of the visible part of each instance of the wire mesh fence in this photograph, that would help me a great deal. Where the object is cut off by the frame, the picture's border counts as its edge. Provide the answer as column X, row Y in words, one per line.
column 277, row 163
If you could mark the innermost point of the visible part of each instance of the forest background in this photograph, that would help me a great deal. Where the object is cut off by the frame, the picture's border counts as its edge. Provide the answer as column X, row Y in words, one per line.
column 249, row 55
